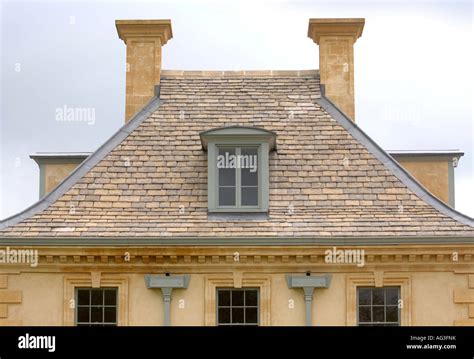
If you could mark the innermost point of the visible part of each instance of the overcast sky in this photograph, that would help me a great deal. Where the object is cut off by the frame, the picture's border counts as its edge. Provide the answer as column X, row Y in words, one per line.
column 413, row 71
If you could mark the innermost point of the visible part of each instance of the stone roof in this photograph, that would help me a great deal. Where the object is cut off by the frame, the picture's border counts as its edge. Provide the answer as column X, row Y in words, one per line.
column 150, row 179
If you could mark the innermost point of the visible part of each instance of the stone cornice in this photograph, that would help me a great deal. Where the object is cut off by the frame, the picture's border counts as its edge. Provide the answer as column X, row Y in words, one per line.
column 256, row 257
column 335, row 27
column 128, row 29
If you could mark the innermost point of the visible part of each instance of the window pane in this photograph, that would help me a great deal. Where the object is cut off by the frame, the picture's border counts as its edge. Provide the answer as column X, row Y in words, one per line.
column 223, row 298
column 237, row 315
column 226, row 164
column 391, row 296
column 110, row 314
column 237, row 298
column 249, row 178
column 96, row 314
column 365, row 314
column 237, row 306
column 227, row 196
column 251, row 316
column 92, row 311
column 83, row 314
column 378, row 314
column 252, row 153
column 110, row 297
column 226, row 153
column 97, row 297
column 226, row 176
column 364, row 296
column 381, row 304
column 83, row 296
column 249, row 196
column 224, row 315
column 377, row 296
column 251, row 298
column 392, row 314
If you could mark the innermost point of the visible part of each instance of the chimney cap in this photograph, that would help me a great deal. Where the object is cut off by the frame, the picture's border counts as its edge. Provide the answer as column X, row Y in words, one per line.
column 335, row 27
column 144, row 28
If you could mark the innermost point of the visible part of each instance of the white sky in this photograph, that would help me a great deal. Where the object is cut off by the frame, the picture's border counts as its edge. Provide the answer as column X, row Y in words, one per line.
column 413, row 67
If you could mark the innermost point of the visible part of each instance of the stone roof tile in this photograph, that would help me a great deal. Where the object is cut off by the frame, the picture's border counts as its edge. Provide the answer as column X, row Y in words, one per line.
column 323, row 182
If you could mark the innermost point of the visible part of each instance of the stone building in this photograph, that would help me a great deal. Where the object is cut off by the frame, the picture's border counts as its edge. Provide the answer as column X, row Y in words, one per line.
column 240, row 198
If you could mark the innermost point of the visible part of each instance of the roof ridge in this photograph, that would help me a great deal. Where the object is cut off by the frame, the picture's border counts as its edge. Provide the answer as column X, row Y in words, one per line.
column 239, row 73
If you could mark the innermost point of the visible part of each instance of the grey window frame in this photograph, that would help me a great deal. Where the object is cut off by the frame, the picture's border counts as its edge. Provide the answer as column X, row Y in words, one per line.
column 219, row 289
column 371, row 305
column 101, row 324
column 238, row 184
column 236, row 136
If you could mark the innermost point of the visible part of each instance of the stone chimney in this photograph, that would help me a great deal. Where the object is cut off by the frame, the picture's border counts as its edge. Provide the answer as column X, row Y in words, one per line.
column 336, row 38
column 144, row 39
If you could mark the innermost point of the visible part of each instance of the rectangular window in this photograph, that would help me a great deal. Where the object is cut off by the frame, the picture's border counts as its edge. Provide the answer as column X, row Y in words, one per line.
column 238, row 177
column 238, row 307
column 96, row 307
column 378, row 306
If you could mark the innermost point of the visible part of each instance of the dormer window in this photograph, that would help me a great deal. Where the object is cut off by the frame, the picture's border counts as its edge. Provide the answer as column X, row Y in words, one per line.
column 238, row 177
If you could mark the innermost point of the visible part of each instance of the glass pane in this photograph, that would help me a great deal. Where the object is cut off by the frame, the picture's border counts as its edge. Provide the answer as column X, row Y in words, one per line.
column 97, row 297
column 224, row 315
column 364, row 296
column 391, row 296
column 392, row 314
column 251, row 298
column 83, row 314
column 227, row 177
column 237, row 298
column 96, row 314
column 226, row 164
column 226, row 153
column 251, row 153
column 365, row 314
column 249, row 196
column 223, row 298
column 377, row 296
column 249, row 166
column 237, row 315
column 227, row 196
column 110, row 297
column 83, row 296
column 251, row 315
column 110, row 314
column 249, row 178
column 378, row 314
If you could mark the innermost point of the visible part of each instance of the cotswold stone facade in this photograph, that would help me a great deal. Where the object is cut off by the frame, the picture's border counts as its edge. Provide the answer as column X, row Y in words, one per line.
column 147, row 231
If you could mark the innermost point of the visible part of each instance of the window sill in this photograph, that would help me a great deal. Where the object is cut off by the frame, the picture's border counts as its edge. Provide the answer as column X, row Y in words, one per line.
column 237, row 216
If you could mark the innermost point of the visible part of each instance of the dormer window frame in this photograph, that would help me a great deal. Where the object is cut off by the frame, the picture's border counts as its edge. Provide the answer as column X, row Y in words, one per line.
column 238, row 137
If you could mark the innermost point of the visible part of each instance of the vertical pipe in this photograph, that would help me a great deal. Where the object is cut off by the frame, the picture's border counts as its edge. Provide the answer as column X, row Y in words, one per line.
column 167, row 305
column 308, row 298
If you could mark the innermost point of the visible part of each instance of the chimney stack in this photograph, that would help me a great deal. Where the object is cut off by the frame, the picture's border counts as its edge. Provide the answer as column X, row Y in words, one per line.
column 336, row 38
column 144, row 39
